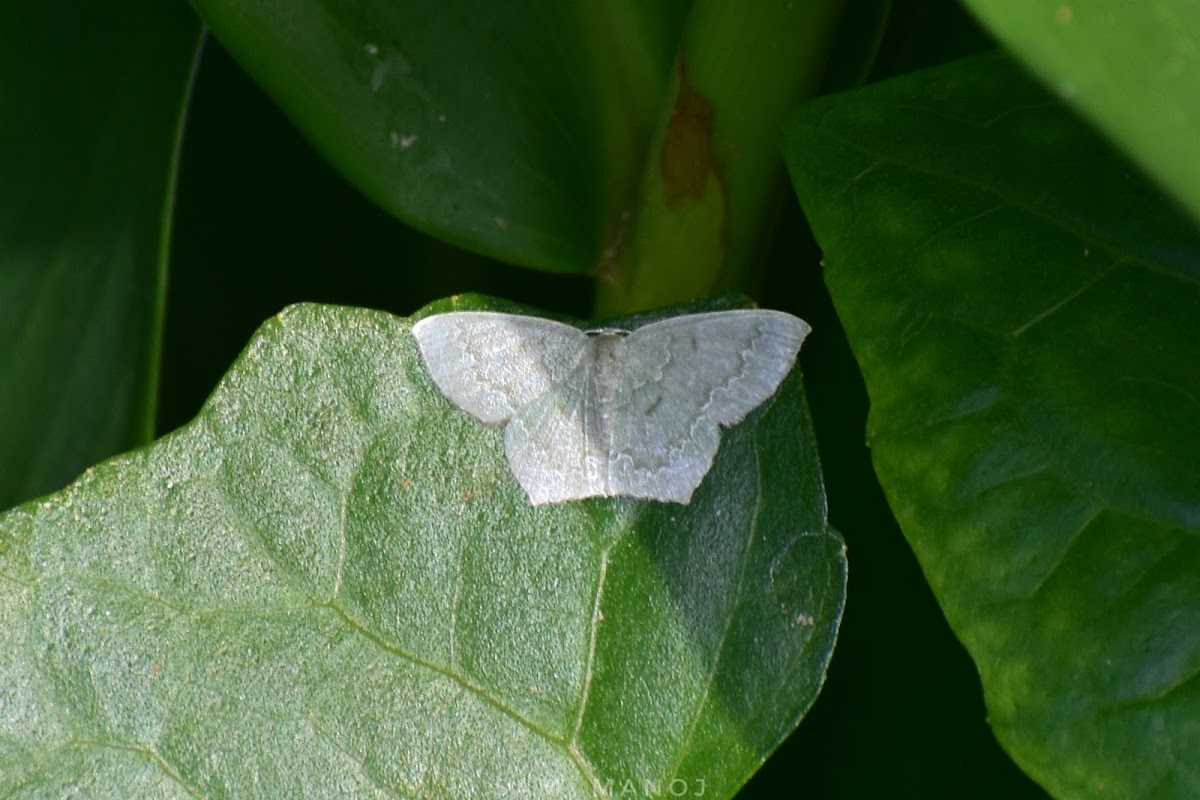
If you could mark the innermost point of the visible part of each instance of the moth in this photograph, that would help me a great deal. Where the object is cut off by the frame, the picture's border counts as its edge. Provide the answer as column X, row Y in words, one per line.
column 610, row 412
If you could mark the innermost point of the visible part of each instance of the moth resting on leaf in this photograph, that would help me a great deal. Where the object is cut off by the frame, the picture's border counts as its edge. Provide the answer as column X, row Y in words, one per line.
column 610, row 412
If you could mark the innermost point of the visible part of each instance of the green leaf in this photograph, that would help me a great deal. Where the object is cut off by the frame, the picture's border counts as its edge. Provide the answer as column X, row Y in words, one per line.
column 1026, row 314
column 91, row 98
column 1133, row 68
column 330, row 583
column 510, row 129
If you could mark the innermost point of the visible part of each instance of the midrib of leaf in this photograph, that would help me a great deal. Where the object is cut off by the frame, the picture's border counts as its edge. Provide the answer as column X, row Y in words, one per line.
column 734, row 607
column 572, row 742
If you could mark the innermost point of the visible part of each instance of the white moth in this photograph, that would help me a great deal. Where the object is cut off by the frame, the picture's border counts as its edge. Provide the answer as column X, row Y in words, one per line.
column 610, row 412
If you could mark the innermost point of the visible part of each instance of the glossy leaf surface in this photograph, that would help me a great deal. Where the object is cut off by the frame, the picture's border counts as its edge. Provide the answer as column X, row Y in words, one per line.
column 508, row 129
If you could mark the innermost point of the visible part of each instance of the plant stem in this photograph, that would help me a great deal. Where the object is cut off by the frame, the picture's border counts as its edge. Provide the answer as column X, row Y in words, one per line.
column 714, row 172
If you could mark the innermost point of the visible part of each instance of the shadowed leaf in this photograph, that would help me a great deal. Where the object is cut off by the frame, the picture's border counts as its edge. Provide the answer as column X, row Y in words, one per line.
column 1026, row 312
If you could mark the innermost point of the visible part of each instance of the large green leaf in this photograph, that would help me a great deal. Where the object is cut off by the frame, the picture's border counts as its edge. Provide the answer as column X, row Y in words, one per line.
column 509, row 128
column 91, row 98
column 1134, row 68
column 1026, row 313
column 330, row 583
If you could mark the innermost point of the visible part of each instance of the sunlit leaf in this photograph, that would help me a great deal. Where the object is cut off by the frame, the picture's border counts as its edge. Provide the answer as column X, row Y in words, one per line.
column 330, row 583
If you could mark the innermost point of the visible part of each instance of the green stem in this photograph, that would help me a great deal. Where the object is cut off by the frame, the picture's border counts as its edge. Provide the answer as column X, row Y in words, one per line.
column 714, row 170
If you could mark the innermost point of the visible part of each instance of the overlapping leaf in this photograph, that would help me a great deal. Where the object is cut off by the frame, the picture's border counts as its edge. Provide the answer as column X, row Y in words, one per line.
column 1133, row 68
column 91, row 98
column 1026, row 312
column 512, row 130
